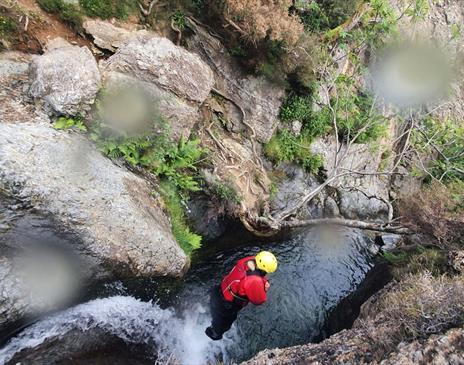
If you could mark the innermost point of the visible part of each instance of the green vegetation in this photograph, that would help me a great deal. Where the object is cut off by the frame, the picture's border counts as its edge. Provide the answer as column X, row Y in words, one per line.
column 107, row 9
column 284, row 146
column 7, row 26
column 188, row 240
column 226, row 192
column 326, row 14
column 175, row 163
column 68, row 13
column 296, row 108
column 445, row 140
column 178, row 18
column 415, row 261
column 355, row 114
column 68, row 123
column 158, row 153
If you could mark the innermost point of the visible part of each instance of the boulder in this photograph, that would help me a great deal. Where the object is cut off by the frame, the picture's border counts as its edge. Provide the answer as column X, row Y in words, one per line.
column 106, row 35
column 65, row 79
column 179, row 81
column 111, row 211
column 250, row 101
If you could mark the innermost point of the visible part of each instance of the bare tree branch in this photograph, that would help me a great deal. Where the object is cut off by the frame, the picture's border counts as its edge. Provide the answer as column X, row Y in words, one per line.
column 372, row 226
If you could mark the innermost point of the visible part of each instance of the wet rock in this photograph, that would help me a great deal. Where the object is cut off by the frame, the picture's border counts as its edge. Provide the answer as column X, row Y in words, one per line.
column 248, row 100
column 205, row 218
column 65, row 79
column 106, row 35
column 111, row 210
column 179, row 81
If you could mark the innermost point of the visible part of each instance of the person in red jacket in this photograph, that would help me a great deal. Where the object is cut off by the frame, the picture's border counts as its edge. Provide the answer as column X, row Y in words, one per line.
column 247, row 282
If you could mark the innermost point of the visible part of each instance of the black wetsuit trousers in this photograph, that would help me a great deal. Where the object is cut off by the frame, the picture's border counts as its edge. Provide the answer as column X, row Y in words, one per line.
column 224, row 313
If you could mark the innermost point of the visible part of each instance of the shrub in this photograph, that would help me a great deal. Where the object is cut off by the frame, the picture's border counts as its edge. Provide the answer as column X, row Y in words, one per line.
column 284, row 146
column 322, row 15
column 448, row 137
column 187, row 240
column 107, row 9
column 437, row 210
column 257, row 19
column 68, row 13
column 354, row 113
column 417, row 307
column 178, row 17
column 295, row 108
column 423, row 305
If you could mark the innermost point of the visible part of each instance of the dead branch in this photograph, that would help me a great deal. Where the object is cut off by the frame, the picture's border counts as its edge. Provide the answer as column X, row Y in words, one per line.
column 178, row 31
column 371, row 226
column 147, row 12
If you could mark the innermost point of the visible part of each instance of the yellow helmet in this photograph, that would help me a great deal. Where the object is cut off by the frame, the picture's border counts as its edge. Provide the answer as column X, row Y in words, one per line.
column 266, row 261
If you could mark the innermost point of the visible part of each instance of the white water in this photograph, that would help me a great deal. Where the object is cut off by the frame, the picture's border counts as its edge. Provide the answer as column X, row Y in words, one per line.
column 171, row 337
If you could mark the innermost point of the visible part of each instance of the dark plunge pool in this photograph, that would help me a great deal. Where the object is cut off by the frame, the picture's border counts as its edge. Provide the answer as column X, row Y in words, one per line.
column 162, row 321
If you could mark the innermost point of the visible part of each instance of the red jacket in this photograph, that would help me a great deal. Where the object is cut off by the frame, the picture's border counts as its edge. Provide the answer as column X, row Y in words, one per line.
column 244, row 285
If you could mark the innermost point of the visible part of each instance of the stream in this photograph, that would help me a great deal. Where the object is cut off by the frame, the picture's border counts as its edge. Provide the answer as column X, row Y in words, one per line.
column 154, row 321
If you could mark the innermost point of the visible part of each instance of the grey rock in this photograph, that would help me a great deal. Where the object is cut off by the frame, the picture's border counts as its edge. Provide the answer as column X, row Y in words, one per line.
column 205, row 218
column 158, row 61
column 178, row 80
column 248, row 100
column 106, row 35
column 181, row 114
column 65, row 79
column 331, row 208
column 296, row 184
column 110, row 209
column 390, row 241
column 360, row 196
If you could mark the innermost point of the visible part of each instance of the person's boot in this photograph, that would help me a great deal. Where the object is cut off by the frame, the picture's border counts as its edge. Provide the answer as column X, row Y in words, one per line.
column 212, row 334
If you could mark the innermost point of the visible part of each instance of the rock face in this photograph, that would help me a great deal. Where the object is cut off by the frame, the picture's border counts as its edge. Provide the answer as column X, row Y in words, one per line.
column 293, row 187
column 349, row 348
column 66, row 79
column 178, row 81
column 111, row 210
column 250, row 101
column 360, row 197
column 437, row 350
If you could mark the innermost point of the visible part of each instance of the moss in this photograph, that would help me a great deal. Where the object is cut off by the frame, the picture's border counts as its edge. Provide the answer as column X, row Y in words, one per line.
column 188, row 240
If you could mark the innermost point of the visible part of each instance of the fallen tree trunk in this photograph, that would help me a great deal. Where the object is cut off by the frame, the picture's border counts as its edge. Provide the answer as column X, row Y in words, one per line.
column 372, row 226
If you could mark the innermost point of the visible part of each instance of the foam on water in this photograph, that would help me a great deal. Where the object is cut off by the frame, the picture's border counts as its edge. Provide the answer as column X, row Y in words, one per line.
column 132, row 320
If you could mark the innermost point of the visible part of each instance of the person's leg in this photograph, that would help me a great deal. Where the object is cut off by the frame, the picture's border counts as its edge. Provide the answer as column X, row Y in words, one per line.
column 223, row 314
